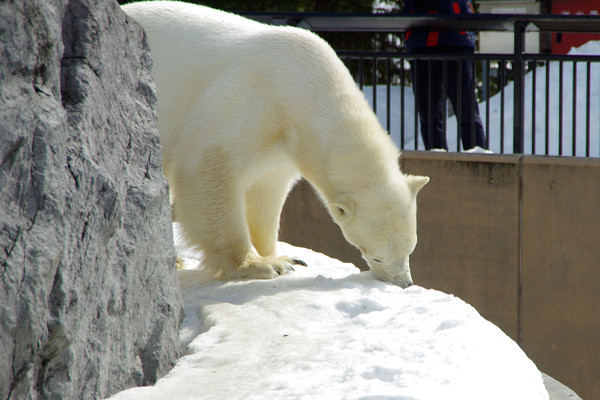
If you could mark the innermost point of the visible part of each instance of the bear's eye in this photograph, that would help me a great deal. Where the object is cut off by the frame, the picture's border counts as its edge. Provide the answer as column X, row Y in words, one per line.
column 377, row 260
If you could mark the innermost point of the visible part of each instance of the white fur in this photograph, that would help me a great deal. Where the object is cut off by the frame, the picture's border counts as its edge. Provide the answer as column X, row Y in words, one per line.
column 244, row 109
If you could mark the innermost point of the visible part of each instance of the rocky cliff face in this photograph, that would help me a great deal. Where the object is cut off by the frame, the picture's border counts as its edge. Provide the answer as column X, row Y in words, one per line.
column 89, row 300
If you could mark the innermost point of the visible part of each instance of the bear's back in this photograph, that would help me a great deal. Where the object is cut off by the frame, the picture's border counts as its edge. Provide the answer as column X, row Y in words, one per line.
column 197, row 31
column 219, row 72
column 179, row 16
column 194, row 47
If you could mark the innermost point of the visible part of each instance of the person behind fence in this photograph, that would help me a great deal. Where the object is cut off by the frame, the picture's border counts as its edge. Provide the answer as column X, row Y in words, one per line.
column 428, row 77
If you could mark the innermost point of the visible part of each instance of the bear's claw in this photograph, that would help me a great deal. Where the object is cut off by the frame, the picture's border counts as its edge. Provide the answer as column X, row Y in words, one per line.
column 299, row 262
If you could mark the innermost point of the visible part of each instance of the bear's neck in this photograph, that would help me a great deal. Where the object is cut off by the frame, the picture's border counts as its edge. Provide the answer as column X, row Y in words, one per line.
column 348, row 152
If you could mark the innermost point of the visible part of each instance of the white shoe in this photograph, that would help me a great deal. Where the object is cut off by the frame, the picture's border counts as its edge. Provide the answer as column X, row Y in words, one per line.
column 479, row 150
column 440, row 150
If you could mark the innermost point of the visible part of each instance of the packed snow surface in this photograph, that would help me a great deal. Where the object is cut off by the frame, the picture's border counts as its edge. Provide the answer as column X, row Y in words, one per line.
column 328, row 331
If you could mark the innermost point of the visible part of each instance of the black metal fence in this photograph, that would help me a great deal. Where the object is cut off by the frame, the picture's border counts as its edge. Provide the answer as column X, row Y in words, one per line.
column 529, row 103
column 555, row 111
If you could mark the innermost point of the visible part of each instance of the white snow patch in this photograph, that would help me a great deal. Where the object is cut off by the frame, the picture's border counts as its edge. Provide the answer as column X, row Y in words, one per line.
column 328, row 331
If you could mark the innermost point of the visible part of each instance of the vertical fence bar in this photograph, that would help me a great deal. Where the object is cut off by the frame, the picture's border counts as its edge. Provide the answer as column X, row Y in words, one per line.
column 560, row 108
column 472, row 97
column 361, row 72
column 402, row 78
column 487, row 103
column 429, row 139
column 388, row 79
column 374, row 83
column 519, row 94
column 444, row 96
column 547, row 149
column 587, row 108
column 501, row 74
column 416, row 92
column 533, row 104
column 574, row 97
column 458, row 113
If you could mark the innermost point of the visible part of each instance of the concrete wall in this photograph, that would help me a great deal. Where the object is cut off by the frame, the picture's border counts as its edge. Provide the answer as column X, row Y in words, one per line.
column 518, row 237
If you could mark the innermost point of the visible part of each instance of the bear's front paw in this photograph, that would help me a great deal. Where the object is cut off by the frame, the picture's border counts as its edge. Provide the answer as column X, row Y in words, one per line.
column 268, row 267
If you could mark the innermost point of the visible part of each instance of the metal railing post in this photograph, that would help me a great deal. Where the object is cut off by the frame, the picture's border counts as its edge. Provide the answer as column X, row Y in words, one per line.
column 519, row 94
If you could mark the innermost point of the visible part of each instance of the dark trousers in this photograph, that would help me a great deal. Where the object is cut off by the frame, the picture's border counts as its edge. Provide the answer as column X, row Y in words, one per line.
column 428, row 86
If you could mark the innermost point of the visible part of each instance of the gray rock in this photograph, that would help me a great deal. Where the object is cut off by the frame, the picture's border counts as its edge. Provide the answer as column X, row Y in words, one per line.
column 89, row 299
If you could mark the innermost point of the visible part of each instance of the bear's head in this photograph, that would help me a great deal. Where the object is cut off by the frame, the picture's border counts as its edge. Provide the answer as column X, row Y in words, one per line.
column 381, row 221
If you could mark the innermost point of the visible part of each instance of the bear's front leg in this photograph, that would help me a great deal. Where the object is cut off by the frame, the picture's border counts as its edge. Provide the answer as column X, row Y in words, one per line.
column 264, row 202
column 211, row 209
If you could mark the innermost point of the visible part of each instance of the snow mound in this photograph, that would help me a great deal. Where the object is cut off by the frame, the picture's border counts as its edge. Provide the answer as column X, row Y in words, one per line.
column 329, row 331
column 591, row 48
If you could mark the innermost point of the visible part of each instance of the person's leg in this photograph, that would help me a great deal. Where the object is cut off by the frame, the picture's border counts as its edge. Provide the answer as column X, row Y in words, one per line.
column 427, row 86
column 461, row 88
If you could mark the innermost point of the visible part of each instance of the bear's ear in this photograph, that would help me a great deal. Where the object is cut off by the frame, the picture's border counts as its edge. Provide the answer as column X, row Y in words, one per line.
column 416, row 183
column 340, row 210
column 342, row 207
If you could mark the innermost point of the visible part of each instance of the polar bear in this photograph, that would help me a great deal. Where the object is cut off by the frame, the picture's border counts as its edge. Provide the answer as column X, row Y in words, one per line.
column 244, row 110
